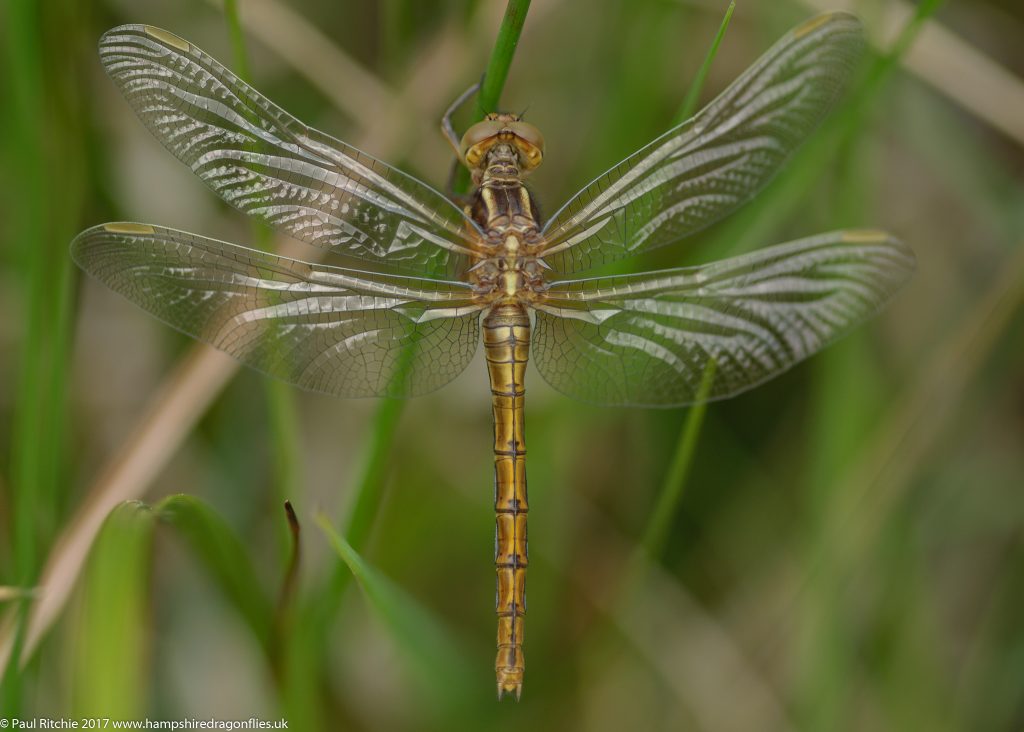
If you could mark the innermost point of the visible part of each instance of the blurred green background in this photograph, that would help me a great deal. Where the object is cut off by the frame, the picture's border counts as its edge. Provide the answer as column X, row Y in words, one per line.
column 847, row 549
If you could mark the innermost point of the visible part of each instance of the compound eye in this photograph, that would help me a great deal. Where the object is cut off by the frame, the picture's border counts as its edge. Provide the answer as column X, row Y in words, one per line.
column 530, row 142
column 474, row 145
column 528, row 133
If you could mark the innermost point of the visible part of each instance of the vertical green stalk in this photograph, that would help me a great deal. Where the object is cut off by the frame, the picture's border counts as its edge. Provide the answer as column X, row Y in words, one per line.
column 239, row 53
column 489, row 95
column 284, row 428
column 842, row 418
column 674, row 486
column 689, row 105
column 109, row 659
column 369, row 491
column 49, row 201
column 675, row 480
column 25, row 83
column 375, row 470
column 501, row 57
column 293, row 642
column 284, row 431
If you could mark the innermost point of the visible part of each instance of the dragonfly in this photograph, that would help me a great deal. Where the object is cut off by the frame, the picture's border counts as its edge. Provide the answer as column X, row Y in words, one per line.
column 440, row 275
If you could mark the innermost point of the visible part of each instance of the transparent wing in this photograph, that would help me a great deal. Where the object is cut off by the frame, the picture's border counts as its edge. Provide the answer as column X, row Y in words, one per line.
column 647, row 339
column 265, row 162
column 322, row 328
column 700, row 171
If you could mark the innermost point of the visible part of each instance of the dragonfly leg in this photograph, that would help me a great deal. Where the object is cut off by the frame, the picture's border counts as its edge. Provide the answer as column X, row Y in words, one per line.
column 447, row 129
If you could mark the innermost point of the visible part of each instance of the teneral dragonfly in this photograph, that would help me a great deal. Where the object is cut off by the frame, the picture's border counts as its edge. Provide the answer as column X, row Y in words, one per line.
column 448, row 271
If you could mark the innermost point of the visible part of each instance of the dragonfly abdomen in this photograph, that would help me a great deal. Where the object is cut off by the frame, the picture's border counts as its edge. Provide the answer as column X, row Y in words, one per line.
column 507, row 346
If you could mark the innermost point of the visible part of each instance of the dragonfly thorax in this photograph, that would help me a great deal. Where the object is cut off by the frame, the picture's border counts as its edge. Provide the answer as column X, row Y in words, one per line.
column 519, row 278
column 503, row 206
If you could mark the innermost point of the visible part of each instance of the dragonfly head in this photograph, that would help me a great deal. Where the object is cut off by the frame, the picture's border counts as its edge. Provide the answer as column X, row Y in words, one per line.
column 507, row 128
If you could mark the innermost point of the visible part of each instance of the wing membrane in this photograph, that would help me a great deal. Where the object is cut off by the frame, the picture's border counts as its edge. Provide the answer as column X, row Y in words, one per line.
column 700, row 171
column 265, row 162
column 325, row 329
column 647, row 339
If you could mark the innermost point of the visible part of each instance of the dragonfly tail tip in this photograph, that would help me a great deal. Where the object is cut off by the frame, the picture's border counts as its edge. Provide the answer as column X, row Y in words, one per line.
column 516, row 689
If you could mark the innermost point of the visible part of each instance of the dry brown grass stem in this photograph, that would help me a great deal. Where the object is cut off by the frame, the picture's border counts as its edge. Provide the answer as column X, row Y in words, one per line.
column 181, row 400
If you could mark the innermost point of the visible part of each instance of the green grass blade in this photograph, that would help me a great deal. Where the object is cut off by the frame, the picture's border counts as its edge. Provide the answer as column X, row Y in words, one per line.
column 689, row 105
column 109, row 659
column 924, row 10
column 284, row 427
column 675, row 480
column 375, row 471
column 306, row 650
column 429, row 647
column 673, row 487
column 489, row 96
column 26, row 84
column 501, row 56
column 110, row 674
column 214, row 543
column 44, row 141
column 369, row 490
column 239, row 53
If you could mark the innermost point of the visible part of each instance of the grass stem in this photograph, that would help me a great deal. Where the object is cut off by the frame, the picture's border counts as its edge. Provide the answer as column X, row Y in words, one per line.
column 675, row 480
column 284, row 429
column 489, row 96
column 689, row 105
column 501, row 57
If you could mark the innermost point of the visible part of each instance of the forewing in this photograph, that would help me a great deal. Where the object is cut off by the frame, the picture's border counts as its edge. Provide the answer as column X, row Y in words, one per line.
column 700, row 171
column 265, row 162
column 325, row 329
column 650, row 339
